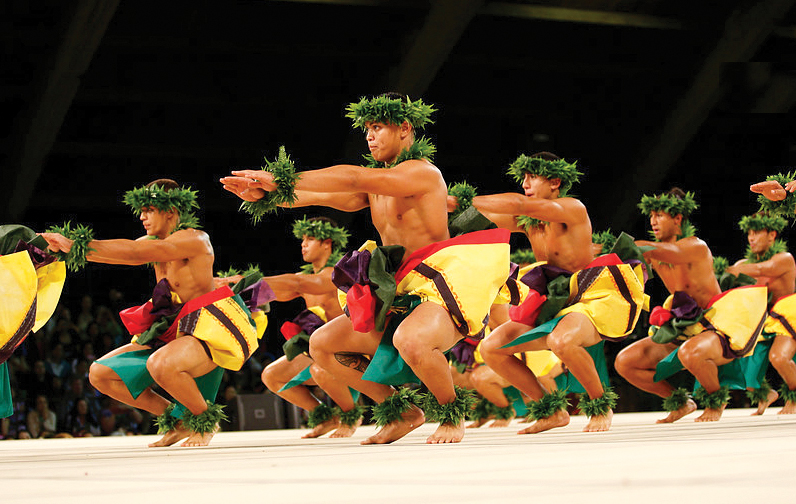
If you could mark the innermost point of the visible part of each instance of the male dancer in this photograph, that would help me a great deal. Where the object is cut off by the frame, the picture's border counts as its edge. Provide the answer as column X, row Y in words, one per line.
column 779, row 196
column 605, row 301
column 429, row 273
column 710, row 324
column 769, row 263
column 188, row 330
column 31, row 281
column 322, row 243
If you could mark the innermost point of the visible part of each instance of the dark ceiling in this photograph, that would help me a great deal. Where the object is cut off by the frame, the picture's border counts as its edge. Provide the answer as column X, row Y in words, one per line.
column 100, row 96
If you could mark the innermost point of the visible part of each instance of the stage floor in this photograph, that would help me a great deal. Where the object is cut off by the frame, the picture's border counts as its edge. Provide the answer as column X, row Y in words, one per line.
column 738, row 459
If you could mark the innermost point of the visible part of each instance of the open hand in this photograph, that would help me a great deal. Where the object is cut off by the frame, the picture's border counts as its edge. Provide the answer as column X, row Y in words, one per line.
column 243, row 187
column 57, row 242
column 773, row 190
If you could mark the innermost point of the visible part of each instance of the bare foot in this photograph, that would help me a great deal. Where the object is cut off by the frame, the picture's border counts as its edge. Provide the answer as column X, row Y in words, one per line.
column 346, row 430
column 501, row 422
column 478, row 423
column 788, row 409
column 447, row 433
column 673, row 416
column 170, row 437
column 762, row 405
column 410, row 420
column 197, row 439
column 599, row 423
column 322, row 428
column 558, row 419
column 711, row 414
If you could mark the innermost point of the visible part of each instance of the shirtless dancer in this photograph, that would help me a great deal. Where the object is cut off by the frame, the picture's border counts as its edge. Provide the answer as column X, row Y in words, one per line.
column 779, row 196
column 322, row 243
column 769, row 263
column 406, row 195
column 685, row 265
column 559, row 229
column 210, row 329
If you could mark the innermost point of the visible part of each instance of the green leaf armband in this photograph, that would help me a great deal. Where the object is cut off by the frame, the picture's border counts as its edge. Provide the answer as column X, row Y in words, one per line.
column 285, row 178
column 81, row 236
column 464, row 194
column 712, row 400
column 450, row 413
column 598, row 406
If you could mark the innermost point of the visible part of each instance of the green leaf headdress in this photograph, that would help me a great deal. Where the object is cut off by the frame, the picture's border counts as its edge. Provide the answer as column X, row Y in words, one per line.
column 160, row 198
column 669, row 203
column 785, row 207
column 559, row 168
column 389, row 110
column 762, row 221
column 322, row 230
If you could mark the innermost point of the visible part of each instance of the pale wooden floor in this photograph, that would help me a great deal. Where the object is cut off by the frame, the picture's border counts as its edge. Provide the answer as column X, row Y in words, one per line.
column 739, row 459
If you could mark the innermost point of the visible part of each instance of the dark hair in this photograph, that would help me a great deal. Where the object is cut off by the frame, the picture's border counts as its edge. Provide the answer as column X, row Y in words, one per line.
column 165, row 183
column 323, row 219
column 676, row 192
column 547, row 156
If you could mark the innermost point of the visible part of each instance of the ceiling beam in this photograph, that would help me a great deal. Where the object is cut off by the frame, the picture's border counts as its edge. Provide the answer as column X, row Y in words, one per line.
column 744, row 32
column 39, row 128
column 610, row 18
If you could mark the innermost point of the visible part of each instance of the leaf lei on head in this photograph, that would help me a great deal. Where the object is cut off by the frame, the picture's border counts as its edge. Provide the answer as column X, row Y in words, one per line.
column 762, row 222
column 464, row 194
column 160, row 198
column 560, row 169
column 81, row 236
column 777, row 247
column 420, row 149
column 523, row 256
column 386, row 110
column 526, row 222
column 285, row 178
column 785, row 207
column 321, row 230
column 670, row 204
column 307, row 269
column 604, row 238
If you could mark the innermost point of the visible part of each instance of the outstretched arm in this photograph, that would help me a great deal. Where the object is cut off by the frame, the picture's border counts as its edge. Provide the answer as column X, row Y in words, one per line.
column 421, row 175
column 773, row 268
column 681, row 252
column 564, row 210
column 292, row 285
column 180, row 245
